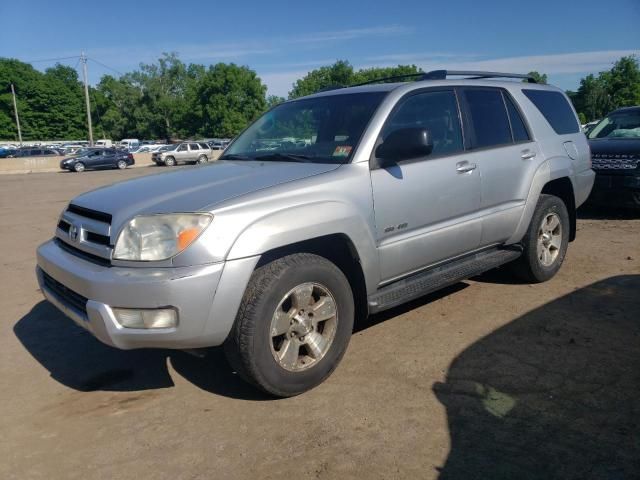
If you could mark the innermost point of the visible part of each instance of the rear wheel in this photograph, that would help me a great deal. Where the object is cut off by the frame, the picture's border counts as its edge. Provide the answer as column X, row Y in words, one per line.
column 545, row 243
column 169, row 161
column 121, row 164
column 79, row 167
column 293, row 326
column 203, row 159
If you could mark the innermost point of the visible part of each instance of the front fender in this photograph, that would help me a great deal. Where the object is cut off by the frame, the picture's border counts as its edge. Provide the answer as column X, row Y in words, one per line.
column 551, row 169
column 306, row 222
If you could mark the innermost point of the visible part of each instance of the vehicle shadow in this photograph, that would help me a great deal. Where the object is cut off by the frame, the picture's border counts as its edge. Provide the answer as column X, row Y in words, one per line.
column 76, row 359
column 593, row 211
column 553, row 394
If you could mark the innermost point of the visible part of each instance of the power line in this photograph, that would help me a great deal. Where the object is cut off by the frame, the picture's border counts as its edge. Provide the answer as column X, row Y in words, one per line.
column 51, row 59
column 105, row 66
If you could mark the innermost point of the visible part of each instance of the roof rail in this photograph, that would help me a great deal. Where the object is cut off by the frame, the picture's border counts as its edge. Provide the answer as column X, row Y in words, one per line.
column 474, row 75
column 438, row 75
column 394, row 77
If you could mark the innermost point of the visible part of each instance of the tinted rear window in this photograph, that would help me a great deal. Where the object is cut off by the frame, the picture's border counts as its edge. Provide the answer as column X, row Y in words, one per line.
column 518, row 128
column 488, row 118
column 555, row 108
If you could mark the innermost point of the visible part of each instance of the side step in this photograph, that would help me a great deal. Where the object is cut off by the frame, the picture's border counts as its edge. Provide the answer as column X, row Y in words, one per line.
column 436, row 278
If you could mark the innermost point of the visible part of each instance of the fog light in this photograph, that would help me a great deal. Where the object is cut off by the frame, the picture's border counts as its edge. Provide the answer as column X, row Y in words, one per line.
column 147, row 318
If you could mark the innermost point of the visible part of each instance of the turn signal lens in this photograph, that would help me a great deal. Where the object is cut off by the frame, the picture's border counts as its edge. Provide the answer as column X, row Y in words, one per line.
column 185, row 237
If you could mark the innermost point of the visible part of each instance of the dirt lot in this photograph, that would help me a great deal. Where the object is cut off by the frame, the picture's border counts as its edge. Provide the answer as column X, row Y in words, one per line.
column 490, row 379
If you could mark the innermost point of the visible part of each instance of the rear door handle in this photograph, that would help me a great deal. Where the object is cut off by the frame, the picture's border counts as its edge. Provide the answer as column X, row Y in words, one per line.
column 465, row 167
column 527, row 154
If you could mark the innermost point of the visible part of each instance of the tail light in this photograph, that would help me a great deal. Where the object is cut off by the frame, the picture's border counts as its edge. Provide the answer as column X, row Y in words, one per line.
column 130, row 155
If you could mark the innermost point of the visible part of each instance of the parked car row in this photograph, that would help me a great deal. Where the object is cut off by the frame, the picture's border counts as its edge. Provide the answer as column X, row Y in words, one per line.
column 28, row 152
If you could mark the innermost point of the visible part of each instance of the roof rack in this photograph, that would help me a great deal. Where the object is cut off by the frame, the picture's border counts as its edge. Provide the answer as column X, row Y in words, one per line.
column 439, row 75
column 473, row 75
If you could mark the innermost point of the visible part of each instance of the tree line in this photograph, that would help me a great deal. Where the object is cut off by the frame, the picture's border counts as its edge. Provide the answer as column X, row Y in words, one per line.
column 170, row 99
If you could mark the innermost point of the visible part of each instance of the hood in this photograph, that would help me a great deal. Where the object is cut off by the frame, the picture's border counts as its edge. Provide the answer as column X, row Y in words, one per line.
column 615, row 146
column 193, row 189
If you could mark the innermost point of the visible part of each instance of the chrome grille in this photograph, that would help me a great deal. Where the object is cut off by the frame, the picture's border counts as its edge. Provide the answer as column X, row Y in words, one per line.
column 86, row 231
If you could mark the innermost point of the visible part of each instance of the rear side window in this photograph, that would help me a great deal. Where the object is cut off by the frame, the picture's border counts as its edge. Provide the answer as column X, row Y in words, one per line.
column 518, row 128
column 204, row 146
column 194, row 146
column 555, row 108
column 488, row 122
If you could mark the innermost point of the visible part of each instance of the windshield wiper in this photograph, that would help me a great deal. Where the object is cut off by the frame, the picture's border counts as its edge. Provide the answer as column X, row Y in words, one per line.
column 287, row 157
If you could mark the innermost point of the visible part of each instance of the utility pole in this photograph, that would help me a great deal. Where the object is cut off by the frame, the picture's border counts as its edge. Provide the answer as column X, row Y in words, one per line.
column 83, row 59
column 15, row 109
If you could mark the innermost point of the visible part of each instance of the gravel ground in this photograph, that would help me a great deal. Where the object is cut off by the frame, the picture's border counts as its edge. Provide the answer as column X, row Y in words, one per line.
column 488, row 379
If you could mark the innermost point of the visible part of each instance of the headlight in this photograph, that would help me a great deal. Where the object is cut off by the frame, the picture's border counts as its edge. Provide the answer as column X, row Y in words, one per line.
column 158, row 237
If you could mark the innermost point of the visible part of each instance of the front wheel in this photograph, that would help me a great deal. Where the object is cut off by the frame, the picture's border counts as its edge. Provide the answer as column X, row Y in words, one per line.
column 293, row 326
column 169, row 161
column 545, row 243
column 79, row 167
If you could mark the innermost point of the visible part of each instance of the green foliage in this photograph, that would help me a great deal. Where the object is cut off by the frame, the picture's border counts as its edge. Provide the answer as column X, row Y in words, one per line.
column 538, row 77
column 50, row 104
column 273, row 100
column 615, row 88
column 342, row 74
column 169, row 99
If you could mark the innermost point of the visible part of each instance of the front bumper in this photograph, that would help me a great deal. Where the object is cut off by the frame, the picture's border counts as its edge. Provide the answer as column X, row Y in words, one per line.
column 204, row 318
column 620, row 190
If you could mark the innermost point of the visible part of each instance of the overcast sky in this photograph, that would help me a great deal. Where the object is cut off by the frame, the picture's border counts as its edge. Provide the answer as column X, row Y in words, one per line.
column 284, row 40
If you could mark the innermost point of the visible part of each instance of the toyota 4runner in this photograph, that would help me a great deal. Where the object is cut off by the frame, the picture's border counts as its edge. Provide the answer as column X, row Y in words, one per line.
column 327, row 208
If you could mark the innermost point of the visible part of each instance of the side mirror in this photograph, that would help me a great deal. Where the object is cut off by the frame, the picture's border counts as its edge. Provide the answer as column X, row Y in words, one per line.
column 404, row 144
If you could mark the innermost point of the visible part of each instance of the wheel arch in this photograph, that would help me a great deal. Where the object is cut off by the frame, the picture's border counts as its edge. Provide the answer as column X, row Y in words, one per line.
column 552, row 177
column 340, row 250
column 563, row 189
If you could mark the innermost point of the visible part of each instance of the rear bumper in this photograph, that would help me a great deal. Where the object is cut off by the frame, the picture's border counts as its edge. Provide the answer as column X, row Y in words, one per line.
column 87, row 293
column 620, row 190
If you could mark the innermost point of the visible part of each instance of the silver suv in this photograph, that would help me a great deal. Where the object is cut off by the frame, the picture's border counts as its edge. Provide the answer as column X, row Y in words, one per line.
column 324, row 210
column 186, row 152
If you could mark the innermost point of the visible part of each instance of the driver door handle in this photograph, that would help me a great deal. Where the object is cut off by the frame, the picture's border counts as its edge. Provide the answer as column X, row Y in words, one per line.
column 465, row 167
column 527, row 154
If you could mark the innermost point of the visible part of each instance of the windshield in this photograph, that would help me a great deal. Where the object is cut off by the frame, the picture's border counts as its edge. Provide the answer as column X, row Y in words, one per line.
column 319, row 130
column 168, row 148
column 618, row 125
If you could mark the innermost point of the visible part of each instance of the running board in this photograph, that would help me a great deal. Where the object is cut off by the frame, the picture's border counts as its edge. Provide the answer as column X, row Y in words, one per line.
column 436, row 278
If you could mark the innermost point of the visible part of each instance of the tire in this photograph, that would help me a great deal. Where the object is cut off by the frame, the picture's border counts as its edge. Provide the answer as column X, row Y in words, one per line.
column 544, row 248
column 170, row 161
column 79, row 167
column 273, row 302
column 203, row 159
column 121, row 164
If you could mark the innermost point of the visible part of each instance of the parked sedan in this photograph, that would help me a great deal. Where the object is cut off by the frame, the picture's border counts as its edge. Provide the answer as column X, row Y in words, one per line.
column 98, row 158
